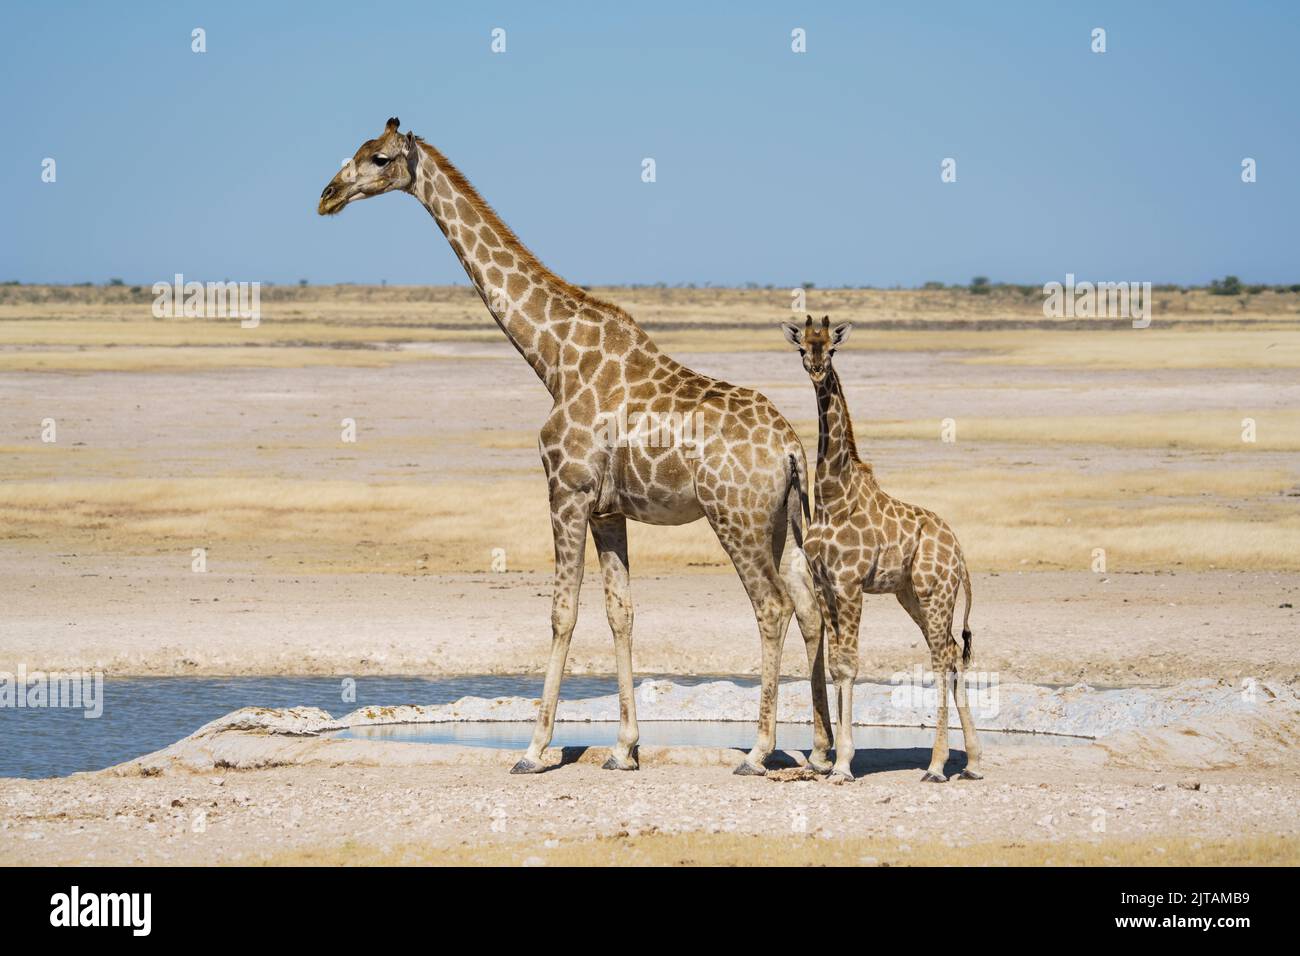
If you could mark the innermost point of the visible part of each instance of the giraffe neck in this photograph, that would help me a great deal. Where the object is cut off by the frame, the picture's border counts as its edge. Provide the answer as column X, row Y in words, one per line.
column 837, row 452
column 536, row 309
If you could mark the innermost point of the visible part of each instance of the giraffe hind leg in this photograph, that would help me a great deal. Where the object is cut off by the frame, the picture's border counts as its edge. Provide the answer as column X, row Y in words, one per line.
column 797, row 575
column 912, row 604
column 747, row 538
column 936, row 608
column 969, row 735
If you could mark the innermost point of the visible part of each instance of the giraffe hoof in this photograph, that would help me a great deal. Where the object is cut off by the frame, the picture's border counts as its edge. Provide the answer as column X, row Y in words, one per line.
column 934, row 778
column 747, row 769
column 613, row 763
column 839, row 776
column 527, row 766
column 970, row 775
column 822, row 767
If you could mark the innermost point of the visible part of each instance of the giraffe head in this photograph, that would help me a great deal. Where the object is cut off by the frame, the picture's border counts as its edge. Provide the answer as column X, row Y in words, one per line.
column 379, row 166
column 816, row 343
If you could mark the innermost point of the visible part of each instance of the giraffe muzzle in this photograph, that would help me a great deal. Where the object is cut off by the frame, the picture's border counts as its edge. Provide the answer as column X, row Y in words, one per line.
column 332, row 199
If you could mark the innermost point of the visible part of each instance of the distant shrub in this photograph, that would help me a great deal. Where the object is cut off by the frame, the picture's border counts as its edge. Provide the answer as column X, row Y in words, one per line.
column 1228, row 285
column 116, row 282
column 933, row 286
column 980, row 285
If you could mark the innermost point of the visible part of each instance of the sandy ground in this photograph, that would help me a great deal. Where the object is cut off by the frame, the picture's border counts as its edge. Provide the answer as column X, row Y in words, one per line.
column 1036, row 805
column 1068, row 439
column 432, row 420
column 1039, row 627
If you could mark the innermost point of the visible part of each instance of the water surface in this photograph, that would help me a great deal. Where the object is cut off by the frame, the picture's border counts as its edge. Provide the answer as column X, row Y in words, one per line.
column 141, row 715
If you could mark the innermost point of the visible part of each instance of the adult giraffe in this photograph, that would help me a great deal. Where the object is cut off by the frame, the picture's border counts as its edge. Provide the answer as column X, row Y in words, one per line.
column 744, row 470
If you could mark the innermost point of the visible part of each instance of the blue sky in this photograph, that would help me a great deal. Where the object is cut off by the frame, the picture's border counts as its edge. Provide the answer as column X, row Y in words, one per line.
column 773, row 167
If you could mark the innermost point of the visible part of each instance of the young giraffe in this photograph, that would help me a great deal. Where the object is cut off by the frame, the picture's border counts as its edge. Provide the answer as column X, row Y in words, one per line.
column 862, row 540
column 744, row 471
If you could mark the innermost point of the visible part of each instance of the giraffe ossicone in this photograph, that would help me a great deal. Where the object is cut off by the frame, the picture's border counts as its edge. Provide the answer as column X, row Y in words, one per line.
column 729, row 455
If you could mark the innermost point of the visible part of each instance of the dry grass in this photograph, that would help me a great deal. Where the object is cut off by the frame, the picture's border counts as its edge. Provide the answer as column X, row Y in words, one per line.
column 670, row 305
column 178, row 333
column 1275, row 430
column 1150, row 348
column 43, row 328
column 326, row 526
column 1110, row 349
column 732, row 849
column 199, row 359
column 1006, row 520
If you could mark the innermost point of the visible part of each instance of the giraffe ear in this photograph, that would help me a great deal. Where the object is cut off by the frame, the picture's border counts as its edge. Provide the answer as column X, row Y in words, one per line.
column 841, row 334
column 793, row 334
column 412, row 156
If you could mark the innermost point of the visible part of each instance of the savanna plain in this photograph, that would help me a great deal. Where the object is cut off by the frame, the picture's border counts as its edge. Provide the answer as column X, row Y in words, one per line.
column 1127, row 500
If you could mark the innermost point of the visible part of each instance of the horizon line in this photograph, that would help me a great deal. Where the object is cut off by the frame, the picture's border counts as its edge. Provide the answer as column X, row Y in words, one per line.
column 982, row 282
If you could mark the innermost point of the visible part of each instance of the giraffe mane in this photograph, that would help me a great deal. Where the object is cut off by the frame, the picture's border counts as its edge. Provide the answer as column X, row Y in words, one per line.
column 507, row 235
column 850, row 440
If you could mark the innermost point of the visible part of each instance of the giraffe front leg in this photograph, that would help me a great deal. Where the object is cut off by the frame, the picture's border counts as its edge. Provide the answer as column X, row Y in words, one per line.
column 610, row 535
column 569, row 517
column 844, row 671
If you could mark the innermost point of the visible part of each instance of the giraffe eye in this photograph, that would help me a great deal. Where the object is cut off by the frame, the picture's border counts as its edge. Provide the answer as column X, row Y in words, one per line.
column 380, row 161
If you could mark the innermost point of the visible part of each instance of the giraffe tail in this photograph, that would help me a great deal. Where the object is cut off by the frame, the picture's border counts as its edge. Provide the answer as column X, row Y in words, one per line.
column 799, row 514
column 967, row 640
column 796, row 506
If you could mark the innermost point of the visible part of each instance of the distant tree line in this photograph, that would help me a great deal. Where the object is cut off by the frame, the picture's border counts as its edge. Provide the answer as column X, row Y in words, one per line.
column 979, row 285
